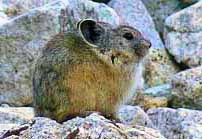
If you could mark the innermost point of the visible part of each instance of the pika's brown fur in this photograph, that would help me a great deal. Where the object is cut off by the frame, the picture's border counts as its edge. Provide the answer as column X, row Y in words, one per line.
column 87, row 71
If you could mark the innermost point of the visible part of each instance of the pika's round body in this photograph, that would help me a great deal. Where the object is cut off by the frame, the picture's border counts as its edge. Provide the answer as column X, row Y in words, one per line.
column 87, row 71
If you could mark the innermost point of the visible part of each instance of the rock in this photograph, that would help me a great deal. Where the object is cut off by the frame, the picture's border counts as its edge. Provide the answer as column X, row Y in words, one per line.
column 186, row 20
column 97, row 126
column 3, row 18
column 187, row 89
column 18, row 7
column 15, row 115
column 93, row 126
column 177, row 123
column 21, row 41
column 160, row 10
column 159, row 91
column 5, row 127
column 23, row 38
column 154, row 97
column 158, row 65
column 183, row 39
column 42, row 128
column 12, row 116
column 185, row 47
column 4, row 105
column 134, row 115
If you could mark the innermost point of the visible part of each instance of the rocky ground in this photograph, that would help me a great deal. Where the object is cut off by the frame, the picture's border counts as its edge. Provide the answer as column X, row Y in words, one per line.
column 168, row 102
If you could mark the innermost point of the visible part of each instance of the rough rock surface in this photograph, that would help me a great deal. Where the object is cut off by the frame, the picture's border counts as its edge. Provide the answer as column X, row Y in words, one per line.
column 185, row 47
column 22, row 39
column 160, row 10
column 17, row 7
column 186, row 20
column 159, row 91
column 177, row 124
column 184, row 38
column 12, row 116
column 158, row 65
column 154, row 97
column 20, row 42
column 187, row 89
column 134, row 115
column 93, row 126
column 3, row 18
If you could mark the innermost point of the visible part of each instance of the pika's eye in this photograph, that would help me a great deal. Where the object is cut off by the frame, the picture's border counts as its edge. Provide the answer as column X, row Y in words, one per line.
column 128, row 36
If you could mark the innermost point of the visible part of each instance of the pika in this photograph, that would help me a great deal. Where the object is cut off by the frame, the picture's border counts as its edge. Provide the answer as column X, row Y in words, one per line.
column 91, row 70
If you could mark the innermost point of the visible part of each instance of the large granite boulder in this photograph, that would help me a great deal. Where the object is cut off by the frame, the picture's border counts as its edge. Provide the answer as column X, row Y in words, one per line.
column 3, row 18
column 21, row 40
column 153, row 97
column 158, row 65
column 177, row 123
column 134, row 115
column 187, row 89
column 183, row 40
column 93, row 126
column 160, row 10
column 23, row 37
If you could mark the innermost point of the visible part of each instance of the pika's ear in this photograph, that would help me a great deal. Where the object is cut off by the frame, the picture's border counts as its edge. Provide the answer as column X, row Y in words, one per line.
column 90, row 31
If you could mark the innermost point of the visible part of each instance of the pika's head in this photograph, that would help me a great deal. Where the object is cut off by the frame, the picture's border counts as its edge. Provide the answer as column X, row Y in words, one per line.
column 121, row 45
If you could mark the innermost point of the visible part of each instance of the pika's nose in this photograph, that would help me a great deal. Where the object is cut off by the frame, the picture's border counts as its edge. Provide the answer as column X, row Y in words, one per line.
column 146, row 43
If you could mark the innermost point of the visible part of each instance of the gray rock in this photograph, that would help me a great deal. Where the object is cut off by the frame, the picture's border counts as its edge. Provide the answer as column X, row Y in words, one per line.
column 21, row 41
column 3, row 18
column 18, row 7
column 93, row 126
column 185, row 47
column 186, row 20
column 177, row 123
column 158, row 67
column 183, row 40
column 153, row 97
column 14, row 116
column 42, row 128
column 23, row 38
column 187, row 89
column 160, row 10
column 159, row 91
column 134, row 115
